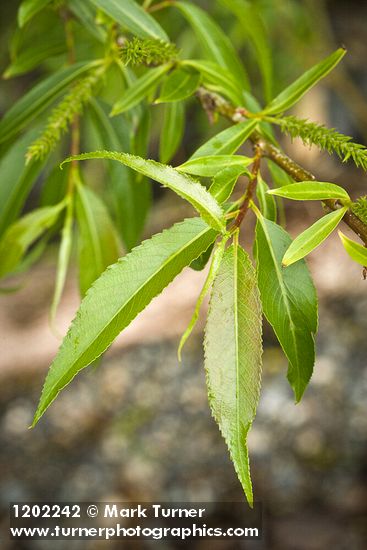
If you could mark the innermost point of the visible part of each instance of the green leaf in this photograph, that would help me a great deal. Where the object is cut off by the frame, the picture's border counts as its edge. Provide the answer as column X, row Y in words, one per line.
column 63, row 258
column 24, row 232
column 200, row 262
column 179, row 85
column 130, row 199
column 224, row 182
column 310, row 191
column 215, row 264
column 214, row 41
column 86, row 14
column 139, row 89
column 278, row 175
column 295, row 91
column 356, row 251
column 35, row 54
column 16, row 179
column 183, row 185
column 216, row 78
column 313, row 236
column 29, row 8
column 172, row 130
column 209, row 166
column 253, row 27
column 117, row 297
column 98, row 245
column 233, row 355
column 289, row 302
column 228, row 141
column 268, row 207
column 131, row 16
column 39, row 98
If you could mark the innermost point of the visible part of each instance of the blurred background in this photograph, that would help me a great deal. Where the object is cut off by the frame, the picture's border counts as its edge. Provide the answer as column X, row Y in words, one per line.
column 137, row 426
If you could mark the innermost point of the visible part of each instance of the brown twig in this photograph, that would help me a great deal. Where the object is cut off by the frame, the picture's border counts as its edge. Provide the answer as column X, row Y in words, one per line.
column 238, row 114
column 250, row 188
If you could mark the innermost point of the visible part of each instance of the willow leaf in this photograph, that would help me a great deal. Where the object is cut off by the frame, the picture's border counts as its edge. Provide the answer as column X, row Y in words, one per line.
column 217, row 79
column 130, row 200
column 214, row 41
column 132, row 17
column 228, row 141
column 214, row 266
column 179, row 85
column 289, row 302
column 98, row 245
column 29, row 8
column 356, row 251
column 24, row 232
column 233, row 355
column 139, row 89
column 210, row 165
column 253, row 27
column 267, row 203
column 224, row 182
column 172, row 130
column 63, row 259
column 183, row 185
column 117, row 297
column 313, row 236
column 297, row 89
column 310, row 191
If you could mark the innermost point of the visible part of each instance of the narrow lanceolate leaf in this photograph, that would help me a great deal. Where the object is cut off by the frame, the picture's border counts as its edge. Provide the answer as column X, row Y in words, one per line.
column 289, row 302
column 34, row 55
column 214, row 41
column 130, row 199
column 39, row 98
column 253, row 27
column 131, row 16
column 313, row 236
column 63, row 259
column 217, row 79
column 310, row 191
column 228, row 141
column 139, row 89
column 268, row 207
column 183, row 185
column 16, row 179
column 233, row 355
column 24, row 232
column 356, row 251
column 179, row 85
column 172, row 130
column 209, row 166
column 117, row 297
column 214, row 266
column 98, row 245
column 29, row 8
column 224, row 182
column 295, row 91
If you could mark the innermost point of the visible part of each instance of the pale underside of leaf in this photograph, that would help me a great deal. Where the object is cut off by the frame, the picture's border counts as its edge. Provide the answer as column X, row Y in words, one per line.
column 233, row 355
column 116, row 298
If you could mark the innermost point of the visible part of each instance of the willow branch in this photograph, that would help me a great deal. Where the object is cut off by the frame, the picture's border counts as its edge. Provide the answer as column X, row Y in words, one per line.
column 214, row 103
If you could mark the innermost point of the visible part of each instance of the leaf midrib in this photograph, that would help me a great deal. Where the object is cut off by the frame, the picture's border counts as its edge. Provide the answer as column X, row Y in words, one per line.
column 153, row 276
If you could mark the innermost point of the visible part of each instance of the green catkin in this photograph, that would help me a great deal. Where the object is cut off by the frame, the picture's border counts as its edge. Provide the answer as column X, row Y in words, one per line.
column 325, row 138
column 359, row 208
column 150, row 52
column 63, row 115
